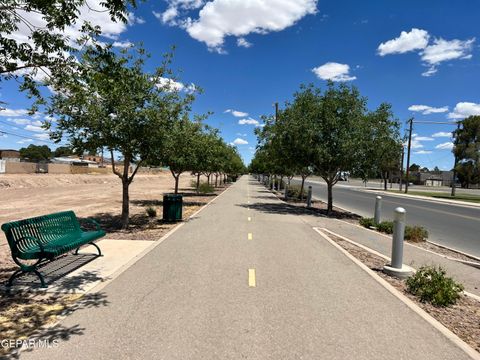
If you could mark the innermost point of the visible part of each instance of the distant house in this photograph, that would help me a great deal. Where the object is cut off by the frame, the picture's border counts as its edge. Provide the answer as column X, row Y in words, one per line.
column 9, row 155
column 75, row 161
column 434, row 178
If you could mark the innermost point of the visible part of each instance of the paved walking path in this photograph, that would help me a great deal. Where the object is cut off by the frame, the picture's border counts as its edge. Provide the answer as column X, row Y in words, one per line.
column 189, row 298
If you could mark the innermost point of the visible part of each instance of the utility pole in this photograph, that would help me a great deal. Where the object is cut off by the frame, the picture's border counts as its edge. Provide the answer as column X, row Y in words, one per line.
column 408, row 153
column 401, row 167
column 454, row 181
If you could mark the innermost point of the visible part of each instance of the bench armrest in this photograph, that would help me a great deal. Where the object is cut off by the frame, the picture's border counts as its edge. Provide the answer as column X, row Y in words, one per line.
column 30, row 238
column 91, row 221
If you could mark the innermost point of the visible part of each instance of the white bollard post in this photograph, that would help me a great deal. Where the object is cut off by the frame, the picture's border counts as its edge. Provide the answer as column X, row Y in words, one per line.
column 398, row 237
column 396, row 267
column 378, row 210
column 309, row 197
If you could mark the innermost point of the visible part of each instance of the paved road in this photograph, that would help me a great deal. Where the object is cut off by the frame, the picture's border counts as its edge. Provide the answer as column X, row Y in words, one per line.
column 452, row 225
column 190, row 297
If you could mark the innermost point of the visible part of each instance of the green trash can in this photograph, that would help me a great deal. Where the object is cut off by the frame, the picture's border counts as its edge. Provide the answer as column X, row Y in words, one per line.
column 172, row 207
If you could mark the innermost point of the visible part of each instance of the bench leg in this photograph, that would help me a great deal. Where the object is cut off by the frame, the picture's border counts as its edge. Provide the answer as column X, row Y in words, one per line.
column 14, row 275
column 20, row 271
column 91, row 243
column 40, row 277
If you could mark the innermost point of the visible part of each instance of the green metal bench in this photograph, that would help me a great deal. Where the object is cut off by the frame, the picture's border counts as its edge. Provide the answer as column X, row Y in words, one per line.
column 45, row 237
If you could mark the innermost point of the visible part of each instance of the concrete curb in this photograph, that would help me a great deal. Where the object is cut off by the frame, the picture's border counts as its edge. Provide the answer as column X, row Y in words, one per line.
column 414, row 307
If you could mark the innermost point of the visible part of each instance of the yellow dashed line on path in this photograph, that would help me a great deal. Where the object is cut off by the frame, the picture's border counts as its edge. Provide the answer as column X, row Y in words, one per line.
column 250, row 236
column 252, row 281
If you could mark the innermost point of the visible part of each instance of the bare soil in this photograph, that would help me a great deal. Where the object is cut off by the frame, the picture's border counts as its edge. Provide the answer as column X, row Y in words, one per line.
column 463, row 318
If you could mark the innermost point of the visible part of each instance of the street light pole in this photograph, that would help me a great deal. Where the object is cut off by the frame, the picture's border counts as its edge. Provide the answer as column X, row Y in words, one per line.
column 408, row 153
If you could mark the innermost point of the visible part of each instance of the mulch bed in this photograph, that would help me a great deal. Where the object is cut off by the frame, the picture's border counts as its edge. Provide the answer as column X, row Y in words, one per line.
column 463, row 318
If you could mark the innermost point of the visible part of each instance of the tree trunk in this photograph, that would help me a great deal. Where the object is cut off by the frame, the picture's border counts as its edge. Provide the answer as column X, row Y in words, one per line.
column 301, row 188
column 330, row 198
column 125, row 203
column 385, row 181
column 216, row 180
column 198, row 183
column 176, row 183
column 208, row 179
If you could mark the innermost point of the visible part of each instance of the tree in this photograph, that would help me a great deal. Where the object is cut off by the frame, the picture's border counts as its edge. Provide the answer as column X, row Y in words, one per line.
column 112, row 103
column 181, row 143
column 62, row 151
column 36, row 153
column 467, row 150
column 436, row 169
column 414, row 167
column 47, row 48
column 336, row 118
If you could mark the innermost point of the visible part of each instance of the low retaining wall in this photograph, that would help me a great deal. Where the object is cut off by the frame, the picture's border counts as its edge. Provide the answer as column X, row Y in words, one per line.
column 15, row 167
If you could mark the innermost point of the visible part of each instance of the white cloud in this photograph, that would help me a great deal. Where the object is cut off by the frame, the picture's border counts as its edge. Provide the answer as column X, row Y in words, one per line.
column 122, row 44
column 44, row 136
column 424, row 138
column 236, row 113
column 444, row 50
column 20, row 121
column 248, row 121
column 445, row 146
column 425, row 109
column 432, row 54
column 442, row 134
column 242, row 42
column 11, row 112
column 420, row 152
column 464, row 109
column 239, row 141
column 240, row 134
column 219, row 19
column 132, row 19
column 172, row 85
column 416, row 39
column 334, row 71
column 34, row 128
column 24, row 141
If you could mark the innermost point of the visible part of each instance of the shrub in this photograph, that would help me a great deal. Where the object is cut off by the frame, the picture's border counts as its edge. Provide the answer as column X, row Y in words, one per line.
column 193, row 183
column 294, row 191
column 385, row 227
column 151, row 211
column 205, row 188
column 416, row 233
column 367, row 222
column 431, row 285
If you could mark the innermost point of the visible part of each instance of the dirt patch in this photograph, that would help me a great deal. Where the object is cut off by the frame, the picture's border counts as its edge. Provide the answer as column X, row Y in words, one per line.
column 462, row 319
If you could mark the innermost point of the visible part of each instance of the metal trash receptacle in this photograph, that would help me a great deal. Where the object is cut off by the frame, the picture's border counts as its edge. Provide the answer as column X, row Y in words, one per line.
column 172, row 207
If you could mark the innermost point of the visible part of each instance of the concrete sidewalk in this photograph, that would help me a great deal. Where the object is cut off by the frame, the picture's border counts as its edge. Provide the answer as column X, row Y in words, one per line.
column 414, row 256
column 189, row 298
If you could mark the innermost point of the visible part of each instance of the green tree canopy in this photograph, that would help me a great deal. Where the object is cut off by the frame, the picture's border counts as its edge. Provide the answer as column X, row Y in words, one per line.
column 112, row 102
column 35, row 153
column 43, row 48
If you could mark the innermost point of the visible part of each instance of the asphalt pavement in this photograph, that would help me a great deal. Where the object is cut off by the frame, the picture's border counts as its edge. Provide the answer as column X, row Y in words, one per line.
column 246, row 279
column 452, row 225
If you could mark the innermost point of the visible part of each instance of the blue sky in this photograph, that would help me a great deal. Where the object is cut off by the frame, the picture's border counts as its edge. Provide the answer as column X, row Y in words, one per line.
column 420, row 56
